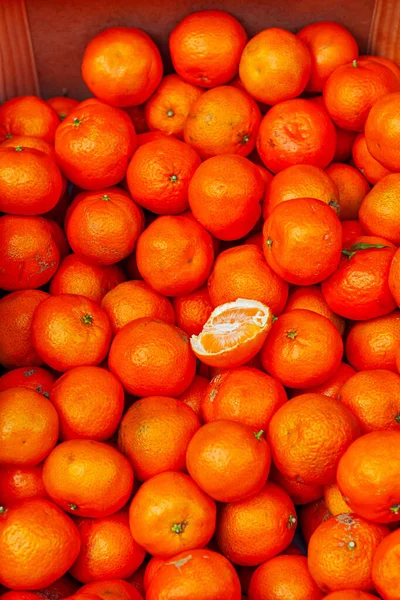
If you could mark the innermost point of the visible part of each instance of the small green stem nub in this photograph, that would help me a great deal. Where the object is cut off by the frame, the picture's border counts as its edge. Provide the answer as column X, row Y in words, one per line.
column 395, row 509
column 3, row 510
column 274, row 319
column 73, row 506
column 245, row 139
column 291, row 521
column 18, row 148
column 76, row 122
column 291, row 334
column 269, row 243
column 170, row 113
column 355, row 63
column 259, row 434
column 351, row 545
column 179, row 527
column 174, row 178
column 87, row 319
column 105, row 197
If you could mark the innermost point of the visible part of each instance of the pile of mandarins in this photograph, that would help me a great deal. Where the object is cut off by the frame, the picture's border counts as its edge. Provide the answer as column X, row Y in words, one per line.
column 199, row 327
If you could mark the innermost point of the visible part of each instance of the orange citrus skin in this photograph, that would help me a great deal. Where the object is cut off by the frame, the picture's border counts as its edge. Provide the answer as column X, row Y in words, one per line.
column 32, row 377
column 20, row 482
column 299, row 492
column 311, row 516
column 62, row 105
column 385, row 566
column 30, row 116
column 332, row 386
column 394, row 277
column 195, row 393
column 372, row 170
column 382, row 131
column 311, row 298
column 350, row 595
column 111, row 588
column 353, row 188
column 379, row 213
column 373, row 344
column 193, row 310
column 334, row 500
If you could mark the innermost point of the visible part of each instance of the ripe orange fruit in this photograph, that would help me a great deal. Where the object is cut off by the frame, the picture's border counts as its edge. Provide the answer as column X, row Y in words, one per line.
column 394, row 277
column 154, row 435
column 16, row 314
column 108, row 550
column 382, row 130
column 152, row 358
column 87, row 478
column 334, row 500
column 359, row 288
column 224, row 120
column 133, row 300
column 194, row 395
column 175, row 255
column 352, row 186
column 320, row 430
column 244, row 395
column 349, row 595
column 19, row 165
column 193, row 310
column 374, row 398
column 341, row 550
column 112, row 589
column 28, row 427
column 311, row 516
column 170, row 513
column 243, row 465
column 44, row 549
column 104, row 226
column 31, row 116
column 332, row 386
column 351, row 230
column 311, row 298
column 151, row 569
column 242, row 272
column 206, row 47
column 302, row 241
column 300, row 181
column 149, row 136
column 13, row 595
column 98, row 416
column 367, row 476
column 26, row 141
column 198, row 575
column 385, row 566
column 29, row 255
column 159, row 173
column 330, row 45
column 63, row 105
column 274, row 579
column 255, row 529
column 77, row 276
column 275, row 66
column 372, row 170
column 234, row 333
column 122, row 66
column 296, row 132
column 20, row 482
column 169, row 106
column 303, row 349
column 299, row 492
column 352, row 90
column 379, row 212
column 94, row 145
column 226, row 181
column 83, row 332
column 373, row 344
column 62, row 588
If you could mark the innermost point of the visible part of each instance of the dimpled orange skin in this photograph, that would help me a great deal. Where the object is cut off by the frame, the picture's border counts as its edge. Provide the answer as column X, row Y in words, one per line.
column 303, row 241
column 62, row 105
column 311, row 516
column 31, row 116
column 122, row 66
column 275, row 66
column 170, row 514
column 16, row 314
column 299, row 492
column 385, row 567
column 193, row 310
column 334, row 500
column 302, row 350
column 29, row 255
column 70, row 331
column 349, row 595
column 94, row 145
column 244, row 395
column 351, row 230
column 379, row 212
column 283, row 575
column 26, row 141
column 96, row 418
column 195, row 393
column 154, row 435
column 311, row 298
column 78, row 276
column 206, row 47
column 28, row 427
column 372, row 170
column 112, row 589
column 320, row 431
column 300, row 181
column 159, row 173
column 45, row 547
column 152, row 358
column 353, row 188
column 330, row 45
column 223, row 120
column 359, row 288
column 394, row 277
column 198, row 575
column 255, row 529
column 332, row 386
column 373, row 344
column 169, row 106
column 368, row 478
column 20, row 482
column 19, row 596
column 243, row 465
column 341, row 550
column 242, row 272
column 175, row 255
column 88, row 478
column 296, row 132
column 382, row 131
column 108, row 550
